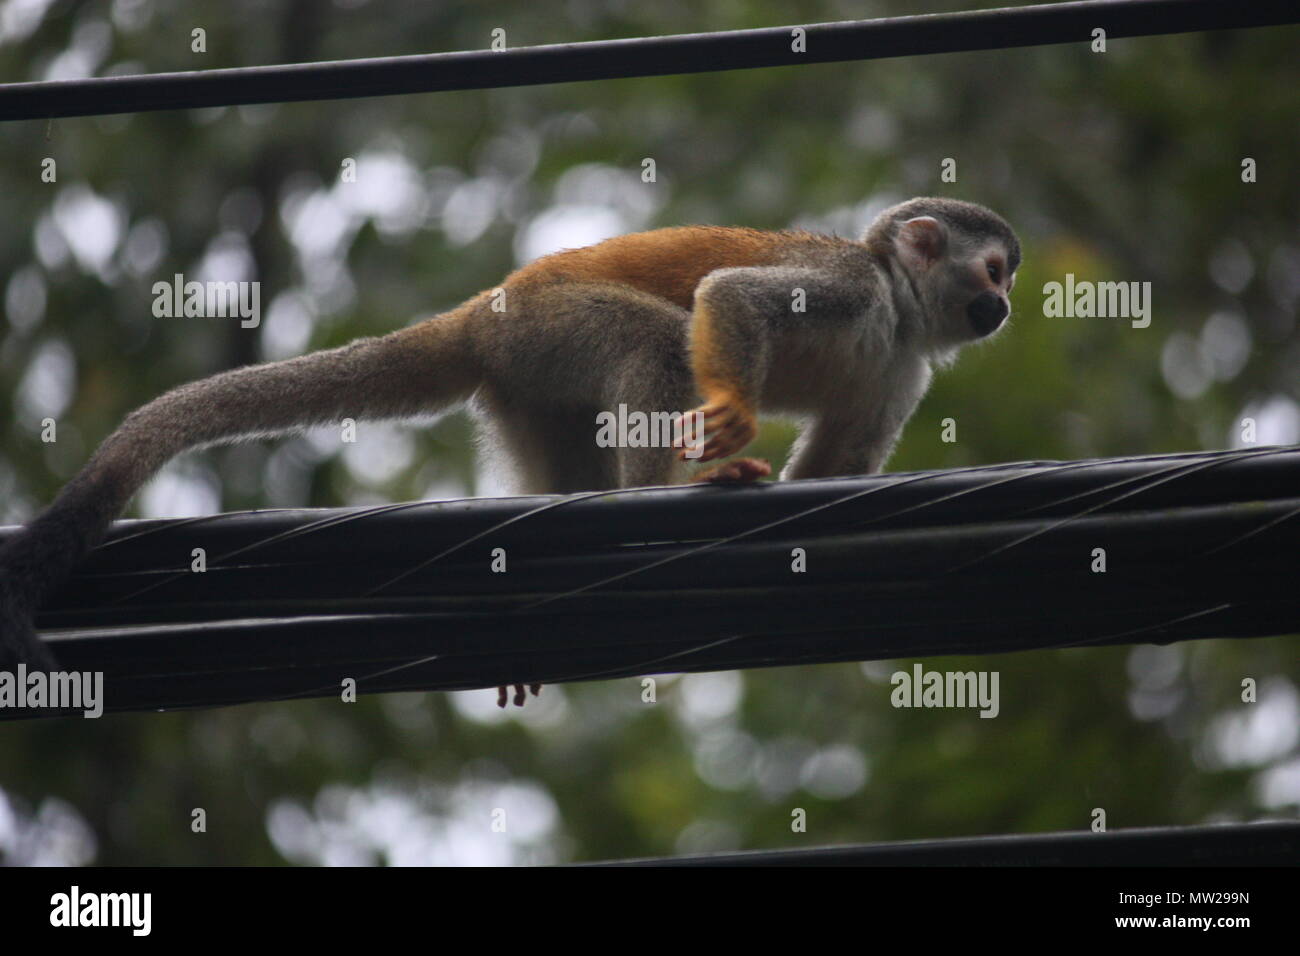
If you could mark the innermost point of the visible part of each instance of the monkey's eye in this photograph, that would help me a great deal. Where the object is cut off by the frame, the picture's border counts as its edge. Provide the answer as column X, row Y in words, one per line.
column 994, row 272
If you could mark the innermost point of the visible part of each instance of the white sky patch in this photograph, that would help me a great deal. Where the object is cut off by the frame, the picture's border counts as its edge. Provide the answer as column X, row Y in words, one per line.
column 49, row 384
column 724, row 758
column 323, row 442
column 470, row 209
column 1231, row 266
column 592, row 202
column 329, row 285
column 708, row 836
column 25, row 297
column 1225, row 345
column 321, row 230
column 872, row 128
column 48, row 242
column 781, row 764
column 834, row 773
column 1277, row 422
column 318, row 225
column 381, row 452
column 131, row 15
column 15, row 507
column 849, row 220
column 287, row 328
column 1253, row 735
column 878, row 672
column 531, row 814
column 20, row 18
column 90, row 44
column 513, row 153
column 207, row 115
column 1279, row 786
column 568, row 227
column 706, row 698
column 57, row 835
column 614, row 186
column 1155, row 692
column 1184, row 366
column 285, row 477
column 390, row 190
column 227, row 258
column 383, row 823
column 182, row 489
column 145, row 246
column 90, row 225
column 445, row 488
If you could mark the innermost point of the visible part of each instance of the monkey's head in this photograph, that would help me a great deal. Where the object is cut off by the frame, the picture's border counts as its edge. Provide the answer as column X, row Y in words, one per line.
column 961, row 260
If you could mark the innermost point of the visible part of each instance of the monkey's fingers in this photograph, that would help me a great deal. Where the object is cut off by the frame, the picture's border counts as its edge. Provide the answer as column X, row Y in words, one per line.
column 728, row 436
column 681, row 433
column 503, row 694
column 714, row 409
column 686, row 436
column 728, row 427
column 690, row 427
column 737, row 471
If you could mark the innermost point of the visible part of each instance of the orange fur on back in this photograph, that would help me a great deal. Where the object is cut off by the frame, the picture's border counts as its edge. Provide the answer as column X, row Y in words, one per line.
column 665, row 262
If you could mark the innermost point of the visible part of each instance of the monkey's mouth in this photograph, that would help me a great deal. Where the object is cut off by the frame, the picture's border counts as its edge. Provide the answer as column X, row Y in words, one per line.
column 986, row 313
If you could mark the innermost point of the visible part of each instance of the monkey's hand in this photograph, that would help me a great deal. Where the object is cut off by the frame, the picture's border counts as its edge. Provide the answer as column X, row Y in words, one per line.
column 738, row 471
column 520, row 696
column 729, row 425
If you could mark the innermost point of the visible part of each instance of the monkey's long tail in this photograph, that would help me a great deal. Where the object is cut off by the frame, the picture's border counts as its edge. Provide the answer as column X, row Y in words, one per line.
column 413, row 371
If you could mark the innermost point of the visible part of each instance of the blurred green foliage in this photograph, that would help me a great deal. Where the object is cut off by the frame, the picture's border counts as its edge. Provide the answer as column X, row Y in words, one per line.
column 1122, row 166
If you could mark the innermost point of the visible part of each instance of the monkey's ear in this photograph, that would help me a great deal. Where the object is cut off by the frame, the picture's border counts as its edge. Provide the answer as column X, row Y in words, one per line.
column 922, row 239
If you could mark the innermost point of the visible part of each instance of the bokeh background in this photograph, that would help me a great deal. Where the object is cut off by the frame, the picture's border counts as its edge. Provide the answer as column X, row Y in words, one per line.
column 1122, row 166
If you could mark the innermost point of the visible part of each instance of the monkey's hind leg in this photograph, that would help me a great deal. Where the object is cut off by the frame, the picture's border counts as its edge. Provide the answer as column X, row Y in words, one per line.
column 549, row 449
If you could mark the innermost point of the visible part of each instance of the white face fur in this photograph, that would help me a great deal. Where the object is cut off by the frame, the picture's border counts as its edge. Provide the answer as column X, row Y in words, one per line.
column 965, row 283
column 989, row 304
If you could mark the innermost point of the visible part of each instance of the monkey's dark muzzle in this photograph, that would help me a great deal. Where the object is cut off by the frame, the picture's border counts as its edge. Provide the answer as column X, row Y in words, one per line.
column 986, row 312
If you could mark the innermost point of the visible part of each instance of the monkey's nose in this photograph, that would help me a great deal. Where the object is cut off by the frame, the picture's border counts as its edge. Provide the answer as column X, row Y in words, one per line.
column 986, row 313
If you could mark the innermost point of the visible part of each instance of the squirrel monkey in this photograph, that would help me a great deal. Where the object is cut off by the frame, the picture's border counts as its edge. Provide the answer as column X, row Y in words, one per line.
column 719, row 321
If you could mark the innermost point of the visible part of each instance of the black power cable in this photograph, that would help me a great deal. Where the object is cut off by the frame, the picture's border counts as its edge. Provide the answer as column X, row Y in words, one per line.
column 645, row 581
column 1243, row 844
column 644, row 56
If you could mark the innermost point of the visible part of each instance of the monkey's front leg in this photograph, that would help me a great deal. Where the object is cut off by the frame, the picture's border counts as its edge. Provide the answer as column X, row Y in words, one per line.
column 729, row 349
